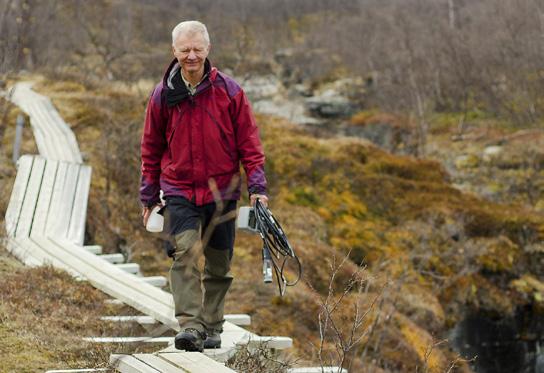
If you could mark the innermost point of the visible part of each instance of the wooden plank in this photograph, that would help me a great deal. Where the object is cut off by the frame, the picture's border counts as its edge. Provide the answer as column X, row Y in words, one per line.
column 157, row 281
column 113, row 281
column 18, row 194
column 195, row 362
column 78, row 370
column 238, row 319
column 31, row 198
column 67, row 203
column 162, row 365
column 163, row 340
column 129, row 364
column 278, row 343
column 49, row 126
column 44, row 199
column 76, row 231
column 68, row 133
column 51, row 148
column 26, row 250
column 133, row 268
column 24, row 253
column 24, row 98
column 95, row 249
column 53, row 137
column 56, row 199
column 55, row 128
column 317, row 370
column 93, row 263
column 143, row 320
column 113, row 258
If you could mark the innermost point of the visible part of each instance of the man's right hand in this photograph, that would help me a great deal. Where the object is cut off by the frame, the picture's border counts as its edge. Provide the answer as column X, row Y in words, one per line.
column 146, row 212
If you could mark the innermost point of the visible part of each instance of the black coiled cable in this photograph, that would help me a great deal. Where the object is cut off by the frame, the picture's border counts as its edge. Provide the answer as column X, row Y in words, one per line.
column 276, row 247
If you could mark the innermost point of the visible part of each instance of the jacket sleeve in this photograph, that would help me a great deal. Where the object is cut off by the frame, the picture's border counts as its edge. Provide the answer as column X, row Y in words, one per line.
column 248, row 144
column 153, row 145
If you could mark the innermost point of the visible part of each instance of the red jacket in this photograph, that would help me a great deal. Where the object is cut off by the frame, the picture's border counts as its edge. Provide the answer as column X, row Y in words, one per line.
column 189, row 140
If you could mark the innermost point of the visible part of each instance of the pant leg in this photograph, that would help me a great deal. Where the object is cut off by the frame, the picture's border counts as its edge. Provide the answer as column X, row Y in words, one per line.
column 217, row 277
column 185, row 276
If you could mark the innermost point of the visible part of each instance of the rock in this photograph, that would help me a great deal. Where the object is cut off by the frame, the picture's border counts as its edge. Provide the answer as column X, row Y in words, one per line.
column 466, row 161
column 292, row 110
column 329, row 105
column 389, row 136
column 262, row 87
column 491, row 152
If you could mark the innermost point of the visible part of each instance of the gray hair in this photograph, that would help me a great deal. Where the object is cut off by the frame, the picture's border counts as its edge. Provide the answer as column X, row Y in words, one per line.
column 189, row 27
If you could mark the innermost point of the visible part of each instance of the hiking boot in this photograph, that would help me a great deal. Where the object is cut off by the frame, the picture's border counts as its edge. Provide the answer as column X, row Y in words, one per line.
column 213, row 340
column 190, row 339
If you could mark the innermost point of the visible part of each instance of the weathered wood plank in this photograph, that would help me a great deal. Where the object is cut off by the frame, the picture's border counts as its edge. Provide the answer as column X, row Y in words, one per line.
column 238, row 319
column 158, row 363
column 113, row 258
column 133, row 268
column 95, row 249
column 67, row 203
column 76, row 231
column 114, row 281
column 129, row 364
column 39, row 134
column 44, row 199
column 56, row 199
column 195, row 362
column 68, row 133
column 162, row 340
column 278, row 343
column 18, row 194
column 157, row 281
column 143, row 320
column 31, row 198
column 56, row 148
column 24, row 252
column 318, row 370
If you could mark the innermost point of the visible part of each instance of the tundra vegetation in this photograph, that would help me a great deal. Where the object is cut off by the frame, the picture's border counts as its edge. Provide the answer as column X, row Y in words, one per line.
column 398, row 243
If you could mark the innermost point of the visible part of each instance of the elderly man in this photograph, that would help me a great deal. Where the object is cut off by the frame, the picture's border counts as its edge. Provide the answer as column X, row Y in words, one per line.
column 198, row 128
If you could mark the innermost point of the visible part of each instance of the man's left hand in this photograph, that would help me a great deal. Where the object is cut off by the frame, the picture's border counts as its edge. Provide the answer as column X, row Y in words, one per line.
column 262, row 198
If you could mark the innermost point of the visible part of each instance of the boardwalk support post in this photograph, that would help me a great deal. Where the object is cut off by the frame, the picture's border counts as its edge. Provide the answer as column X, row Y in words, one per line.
column 18, row 137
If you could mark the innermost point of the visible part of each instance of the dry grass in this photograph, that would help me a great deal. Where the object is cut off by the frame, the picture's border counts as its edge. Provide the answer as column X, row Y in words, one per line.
column 44, row 313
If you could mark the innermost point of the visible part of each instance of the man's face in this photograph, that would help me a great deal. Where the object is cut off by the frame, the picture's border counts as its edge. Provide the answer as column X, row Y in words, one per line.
column 191, row 51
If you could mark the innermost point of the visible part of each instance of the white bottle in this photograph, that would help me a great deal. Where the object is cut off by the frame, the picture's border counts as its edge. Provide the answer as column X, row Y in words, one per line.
column 155, row 222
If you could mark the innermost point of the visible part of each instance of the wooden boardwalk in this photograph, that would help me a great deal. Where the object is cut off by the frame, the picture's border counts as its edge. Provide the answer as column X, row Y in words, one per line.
column 45, row 224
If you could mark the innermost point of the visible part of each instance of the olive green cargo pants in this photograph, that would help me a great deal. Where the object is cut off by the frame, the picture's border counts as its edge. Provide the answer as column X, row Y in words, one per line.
column 199, row 296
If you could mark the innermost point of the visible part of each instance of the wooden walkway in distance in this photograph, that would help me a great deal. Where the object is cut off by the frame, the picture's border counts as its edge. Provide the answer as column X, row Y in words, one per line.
column 54, row 138
column 45, row 224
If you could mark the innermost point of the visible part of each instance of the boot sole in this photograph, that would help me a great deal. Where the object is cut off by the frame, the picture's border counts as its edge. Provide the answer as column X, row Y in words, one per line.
column 187, row 345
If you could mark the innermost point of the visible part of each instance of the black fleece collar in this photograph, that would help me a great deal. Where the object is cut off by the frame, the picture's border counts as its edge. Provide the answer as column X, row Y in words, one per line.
column 179, row 92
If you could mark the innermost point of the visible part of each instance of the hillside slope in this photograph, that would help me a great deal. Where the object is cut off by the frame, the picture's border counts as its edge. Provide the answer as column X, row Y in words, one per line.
column 422, row 255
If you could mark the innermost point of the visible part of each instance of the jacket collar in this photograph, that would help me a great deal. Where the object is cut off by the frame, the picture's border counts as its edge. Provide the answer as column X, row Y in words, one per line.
column 176, row 90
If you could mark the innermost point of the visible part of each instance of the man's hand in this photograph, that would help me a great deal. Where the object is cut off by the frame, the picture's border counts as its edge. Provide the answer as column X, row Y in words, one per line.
column 146, row 212
column 261, row 197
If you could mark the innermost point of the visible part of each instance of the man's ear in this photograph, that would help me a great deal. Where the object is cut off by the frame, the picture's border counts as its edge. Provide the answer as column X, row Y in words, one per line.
column 209, row 48
column 173, row 50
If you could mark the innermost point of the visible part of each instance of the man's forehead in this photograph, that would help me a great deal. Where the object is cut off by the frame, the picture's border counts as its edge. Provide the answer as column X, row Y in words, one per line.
column 190, row 39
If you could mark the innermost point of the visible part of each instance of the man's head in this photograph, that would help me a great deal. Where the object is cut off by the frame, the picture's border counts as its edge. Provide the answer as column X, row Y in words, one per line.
column 191, row 46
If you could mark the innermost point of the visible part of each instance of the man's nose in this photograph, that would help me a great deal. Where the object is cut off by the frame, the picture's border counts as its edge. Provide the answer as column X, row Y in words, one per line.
column 192, row 55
